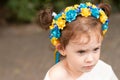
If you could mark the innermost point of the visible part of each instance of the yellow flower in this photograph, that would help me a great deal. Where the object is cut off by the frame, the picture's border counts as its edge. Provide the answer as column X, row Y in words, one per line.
column 102, row 12
column 61, row 23
column 94, row 6
column 88, row 4
column 76, row 6
column 104, row 32
column 103, row 16
column 103, row 19
column 85, row 12
column 63, row 15
column 54, row 41
column 52, row 26
column 69, row 8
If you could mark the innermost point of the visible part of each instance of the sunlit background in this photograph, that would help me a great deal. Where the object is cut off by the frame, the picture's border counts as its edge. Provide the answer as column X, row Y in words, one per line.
column 25, row 52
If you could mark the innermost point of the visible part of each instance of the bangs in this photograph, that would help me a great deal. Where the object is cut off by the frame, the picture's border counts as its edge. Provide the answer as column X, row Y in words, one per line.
column 86, row 37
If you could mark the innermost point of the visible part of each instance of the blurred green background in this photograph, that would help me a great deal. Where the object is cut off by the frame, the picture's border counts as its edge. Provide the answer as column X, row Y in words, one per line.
column 25, row 10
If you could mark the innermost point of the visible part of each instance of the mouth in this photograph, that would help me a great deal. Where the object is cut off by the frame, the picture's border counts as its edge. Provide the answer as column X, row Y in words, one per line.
column 89, row 67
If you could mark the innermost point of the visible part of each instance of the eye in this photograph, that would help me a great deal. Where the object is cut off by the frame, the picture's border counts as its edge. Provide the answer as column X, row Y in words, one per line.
column 96, row 49
column 81, row 51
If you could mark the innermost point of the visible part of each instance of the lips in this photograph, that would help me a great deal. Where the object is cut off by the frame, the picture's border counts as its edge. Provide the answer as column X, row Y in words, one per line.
column 89, row 67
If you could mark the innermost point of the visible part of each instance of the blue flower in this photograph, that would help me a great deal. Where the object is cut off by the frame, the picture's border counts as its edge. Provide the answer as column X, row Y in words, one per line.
column 95, row 12
column 89, row 7
column 105, row 26
column 107, row 22
column 55, row 32
column 50, row 36
column 57, row 16
column 78, row 10
column 82, row 5
column 71, row 15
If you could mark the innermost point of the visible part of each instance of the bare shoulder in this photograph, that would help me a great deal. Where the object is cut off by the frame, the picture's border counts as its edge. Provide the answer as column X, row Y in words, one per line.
column 57, row 72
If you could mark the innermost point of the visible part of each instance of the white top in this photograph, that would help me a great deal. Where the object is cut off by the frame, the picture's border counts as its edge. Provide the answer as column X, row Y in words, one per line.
column 101, row 71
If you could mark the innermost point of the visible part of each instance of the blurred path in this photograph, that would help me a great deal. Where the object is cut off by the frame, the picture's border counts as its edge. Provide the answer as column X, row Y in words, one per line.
column 25, row 52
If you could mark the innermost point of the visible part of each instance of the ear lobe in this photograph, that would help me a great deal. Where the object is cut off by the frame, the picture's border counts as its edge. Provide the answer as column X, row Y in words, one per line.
column 60, row 49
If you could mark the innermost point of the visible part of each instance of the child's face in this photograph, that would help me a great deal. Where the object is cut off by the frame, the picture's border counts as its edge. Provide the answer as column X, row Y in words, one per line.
column 82, row 57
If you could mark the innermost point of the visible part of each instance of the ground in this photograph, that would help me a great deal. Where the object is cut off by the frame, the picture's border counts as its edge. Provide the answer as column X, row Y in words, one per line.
column 26, row 54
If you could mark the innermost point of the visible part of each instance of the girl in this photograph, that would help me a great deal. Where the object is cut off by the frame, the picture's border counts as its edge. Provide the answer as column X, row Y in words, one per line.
column 77, row 34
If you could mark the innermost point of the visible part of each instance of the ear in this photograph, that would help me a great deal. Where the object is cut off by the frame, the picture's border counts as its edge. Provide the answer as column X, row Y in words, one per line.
column 61, row 49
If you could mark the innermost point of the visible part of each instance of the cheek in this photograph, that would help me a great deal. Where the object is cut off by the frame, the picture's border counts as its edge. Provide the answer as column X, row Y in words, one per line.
column 96, row 56
column 74, row 59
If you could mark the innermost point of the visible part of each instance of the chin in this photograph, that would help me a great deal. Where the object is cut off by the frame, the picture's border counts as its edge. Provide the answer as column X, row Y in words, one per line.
column 88, row 70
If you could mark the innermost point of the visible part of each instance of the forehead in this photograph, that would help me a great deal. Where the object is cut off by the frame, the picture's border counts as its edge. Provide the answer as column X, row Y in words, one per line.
column 86, row 41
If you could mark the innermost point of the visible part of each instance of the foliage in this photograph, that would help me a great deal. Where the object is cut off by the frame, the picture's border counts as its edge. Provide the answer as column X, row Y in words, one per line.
column 25, row 10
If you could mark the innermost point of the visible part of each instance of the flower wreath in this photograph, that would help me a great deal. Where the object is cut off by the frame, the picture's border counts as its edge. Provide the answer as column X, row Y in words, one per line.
column 70, row 13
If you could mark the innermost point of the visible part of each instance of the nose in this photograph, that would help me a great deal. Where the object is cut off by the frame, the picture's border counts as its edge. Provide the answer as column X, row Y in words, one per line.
column 89, row 58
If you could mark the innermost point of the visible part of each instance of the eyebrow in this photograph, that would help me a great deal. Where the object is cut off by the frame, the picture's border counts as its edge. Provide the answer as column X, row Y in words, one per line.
column 84, row 50
column 97, row 47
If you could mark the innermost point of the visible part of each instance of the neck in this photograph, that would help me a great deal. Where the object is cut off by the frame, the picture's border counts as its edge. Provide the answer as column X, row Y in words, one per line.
column 71, row 70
